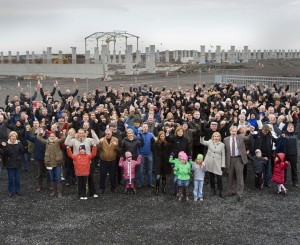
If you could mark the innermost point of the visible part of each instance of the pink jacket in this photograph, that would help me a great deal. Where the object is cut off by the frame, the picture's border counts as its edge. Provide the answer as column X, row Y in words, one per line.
column 279, row 166
column 129, row 167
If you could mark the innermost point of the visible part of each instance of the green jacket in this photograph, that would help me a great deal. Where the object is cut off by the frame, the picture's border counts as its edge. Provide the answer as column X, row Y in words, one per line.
column 180, row 169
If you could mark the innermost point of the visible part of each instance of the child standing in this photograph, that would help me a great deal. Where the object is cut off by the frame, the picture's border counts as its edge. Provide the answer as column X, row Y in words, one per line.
column 82, row 163
column 182, row 168
column 128, row 166
column 278, row 171
column 259, row 164
column 199, row 169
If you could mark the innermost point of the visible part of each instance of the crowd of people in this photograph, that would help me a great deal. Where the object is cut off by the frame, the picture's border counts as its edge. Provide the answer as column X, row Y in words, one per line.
column 196, row 135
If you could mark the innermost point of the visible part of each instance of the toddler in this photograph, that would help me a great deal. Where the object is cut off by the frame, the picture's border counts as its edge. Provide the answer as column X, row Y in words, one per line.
column 128, row 166
column 182, row 169
column 259, row 163
column 199, row 169
column 278, row 171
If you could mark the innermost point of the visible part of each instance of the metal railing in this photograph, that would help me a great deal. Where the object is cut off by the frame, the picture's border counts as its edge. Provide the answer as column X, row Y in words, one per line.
column 293, row 82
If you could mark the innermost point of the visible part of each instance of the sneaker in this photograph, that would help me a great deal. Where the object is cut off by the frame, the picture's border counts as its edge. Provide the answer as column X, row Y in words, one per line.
column 285, row 191
column 195, row 199
column 201, row 199
column 81, row 198
column 94, row 196
column 67, row 183
column 85, row 198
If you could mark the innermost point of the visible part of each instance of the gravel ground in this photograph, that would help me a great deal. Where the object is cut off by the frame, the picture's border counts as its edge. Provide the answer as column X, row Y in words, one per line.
column 264, row 217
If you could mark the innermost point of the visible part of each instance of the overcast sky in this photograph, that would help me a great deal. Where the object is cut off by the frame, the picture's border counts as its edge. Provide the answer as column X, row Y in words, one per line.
column 169, row 24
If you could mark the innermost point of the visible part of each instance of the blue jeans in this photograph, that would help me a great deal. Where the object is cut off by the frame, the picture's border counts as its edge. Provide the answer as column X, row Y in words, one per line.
column 267, row 172
column 55, row 174
column 147, row 162
column 13, row 180
column 183, row 183
column 25, row 162
column 175, row 178
column 198, row 188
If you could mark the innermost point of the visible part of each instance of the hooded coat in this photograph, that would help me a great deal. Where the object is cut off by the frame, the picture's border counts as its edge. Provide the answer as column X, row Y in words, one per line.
column 279, row 166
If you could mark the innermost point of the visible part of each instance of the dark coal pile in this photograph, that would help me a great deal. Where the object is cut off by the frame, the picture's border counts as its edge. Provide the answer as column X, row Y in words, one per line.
column 264, row 217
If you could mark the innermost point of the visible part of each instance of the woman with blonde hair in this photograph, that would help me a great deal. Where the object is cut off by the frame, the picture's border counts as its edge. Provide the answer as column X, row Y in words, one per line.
column 215, row 161
column 13, row 150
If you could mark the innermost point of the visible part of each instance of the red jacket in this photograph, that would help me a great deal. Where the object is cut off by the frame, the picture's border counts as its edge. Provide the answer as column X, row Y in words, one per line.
column 82, row 162
column 129, row 167
column 279, row 166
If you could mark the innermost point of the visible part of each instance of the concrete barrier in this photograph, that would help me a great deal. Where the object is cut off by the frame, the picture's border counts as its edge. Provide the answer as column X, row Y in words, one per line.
column 53, row 70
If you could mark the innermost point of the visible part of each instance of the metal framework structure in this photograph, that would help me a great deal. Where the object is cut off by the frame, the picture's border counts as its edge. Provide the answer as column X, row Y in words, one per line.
column 117, row 37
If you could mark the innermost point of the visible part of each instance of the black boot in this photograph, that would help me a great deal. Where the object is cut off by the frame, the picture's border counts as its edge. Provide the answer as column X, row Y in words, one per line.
column 164, row 183
column 157, row 187
column 213, row 192
column 186, row 193
column 180, row 194
column 256, row 181
column 221, row 194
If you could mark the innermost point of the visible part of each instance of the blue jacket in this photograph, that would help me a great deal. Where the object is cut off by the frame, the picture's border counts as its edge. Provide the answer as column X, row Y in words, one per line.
column 149, row 140
column 39, row 147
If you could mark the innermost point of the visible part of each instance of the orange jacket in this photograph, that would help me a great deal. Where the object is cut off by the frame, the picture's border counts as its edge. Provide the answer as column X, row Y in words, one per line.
column 82, row 162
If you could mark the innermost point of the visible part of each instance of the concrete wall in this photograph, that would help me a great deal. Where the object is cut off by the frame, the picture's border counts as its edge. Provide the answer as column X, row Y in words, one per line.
column 54, row 70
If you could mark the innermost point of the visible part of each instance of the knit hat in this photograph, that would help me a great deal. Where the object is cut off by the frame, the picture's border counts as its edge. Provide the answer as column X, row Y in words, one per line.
column 82, row 147
column 183, row 156
column 200, row 157
column 258, row 150
column 128, row 154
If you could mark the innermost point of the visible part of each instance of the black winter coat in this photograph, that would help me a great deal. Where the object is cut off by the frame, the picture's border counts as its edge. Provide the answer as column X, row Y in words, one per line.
column 13, row 154
column 179, row 144
column 161, row 158
column 258, row 144
column 258, row 164
column 291, row 148
column 132, row 146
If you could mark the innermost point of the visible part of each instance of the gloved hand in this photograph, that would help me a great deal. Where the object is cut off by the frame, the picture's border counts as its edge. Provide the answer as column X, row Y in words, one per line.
column 172, row 166
column 190, row 158
column 172, row 154
column 223, row 169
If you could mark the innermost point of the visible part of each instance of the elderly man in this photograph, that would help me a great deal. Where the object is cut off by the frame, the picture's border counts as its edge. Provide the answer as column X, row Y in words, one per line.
column 108, row 148
column 236, row 157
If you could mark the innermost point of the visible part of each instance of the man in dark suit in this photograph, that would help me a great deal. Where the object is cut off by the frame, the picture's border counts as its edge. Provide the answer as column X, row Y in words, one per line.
column 236, row 157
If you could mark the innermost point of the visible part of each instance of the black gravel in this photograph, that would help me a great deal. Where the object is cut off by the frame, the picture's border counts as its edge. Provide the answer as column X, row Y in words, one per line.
column 264, row 217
